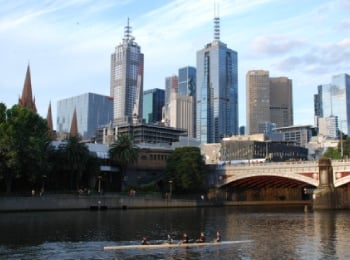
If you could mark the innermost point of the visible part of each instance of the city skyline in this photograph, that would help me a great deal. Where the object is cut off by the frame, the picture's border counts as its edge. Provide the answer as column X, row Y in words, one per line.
column 68, row 45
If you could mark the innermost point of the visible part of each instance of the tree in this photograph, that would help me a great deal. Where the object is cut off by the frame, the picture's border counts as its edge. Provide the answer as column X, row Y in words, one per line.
column 24, row 140
column 76, row 155
column 332, row 153
column 186, row 169
column 123, row 152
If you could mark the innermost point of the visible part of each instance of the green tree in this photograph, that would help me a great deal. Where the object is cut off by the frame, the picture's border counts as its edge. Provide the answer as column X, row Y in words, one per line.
column 123, row 153
column 186, row 168
column 332, row 153
column 24, row 140
column 75, row 155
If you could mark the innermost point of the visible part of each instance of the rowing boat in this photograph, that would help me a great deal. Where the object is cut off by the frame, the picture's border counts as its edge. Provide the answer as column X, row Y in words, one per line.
column 179, row 245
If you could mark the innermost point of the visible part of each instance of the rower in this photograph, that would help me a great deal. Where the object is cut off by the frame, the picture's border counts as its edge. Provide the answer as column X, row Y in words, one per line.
column 218, row 237
column 201, row 238
column 184, row 239
column 144, row 241
column 169, row 239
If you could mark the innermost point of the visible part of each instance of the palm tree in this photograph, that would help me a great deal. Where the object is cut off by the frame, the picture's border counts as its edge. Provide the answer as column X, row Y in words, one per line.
column 123, row 152
column 76, row 156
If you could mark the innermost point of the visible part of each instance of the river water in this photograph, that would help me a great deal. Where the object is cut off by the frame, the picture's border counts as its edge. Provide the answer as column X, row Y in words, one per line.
column 274, row 233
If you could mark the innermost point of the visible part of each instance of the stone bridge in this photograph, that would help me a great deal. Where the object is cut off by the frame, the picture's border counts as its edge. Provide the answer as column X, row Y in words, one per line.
column 285, row 180
column 287, row 173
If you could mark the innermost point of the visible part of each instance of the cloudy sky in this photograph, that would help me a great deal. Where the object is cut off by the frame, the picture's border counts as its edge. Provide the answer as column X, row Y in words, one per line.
column 68, row 43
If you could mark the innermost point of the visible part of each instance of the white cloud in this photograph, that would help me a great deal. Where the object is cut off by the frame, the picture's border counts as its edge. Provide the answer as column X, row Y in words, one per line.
column 275, row 44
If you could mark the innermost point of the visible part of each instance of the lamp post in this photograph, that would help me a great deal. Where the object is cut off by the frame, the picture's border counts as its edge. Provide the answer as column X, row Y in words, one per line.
column 99, row 183
column 170, row 188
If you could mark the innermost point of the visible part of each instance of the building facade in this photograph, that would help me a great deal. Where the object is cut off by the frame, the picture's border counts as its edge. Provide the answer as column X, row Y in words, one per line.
column 334, row 100
column 126, row 83
column 217, row 91
column 181, row 112
column 153, row 102
column 269, row 101
column 92, row 111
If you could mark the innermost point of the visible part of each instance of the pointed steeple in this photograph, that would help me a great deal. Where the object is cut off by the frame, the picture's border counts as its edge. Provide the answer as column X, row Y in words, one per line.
column 74, row 125
column 27, row 100
column 49, row 123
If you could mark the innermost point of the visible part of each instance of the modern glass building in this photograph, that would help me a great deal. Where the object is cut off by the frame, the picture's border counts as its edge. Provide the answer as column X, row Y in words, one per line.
column 217, row 91
column 93, row 111
column 187, row 81
column 187, row 87
column 334, row 100
column 153, row 101
column 127, row 79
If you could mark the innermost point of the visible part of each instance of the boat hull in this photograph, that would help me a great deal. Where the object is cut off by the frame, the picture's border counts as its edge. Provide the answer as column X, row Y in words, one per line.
column 179, row 245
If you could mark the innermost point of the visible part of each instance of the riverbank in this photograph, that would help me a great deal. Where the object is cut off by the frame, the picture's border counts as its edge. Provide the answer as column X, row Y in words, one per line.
column 116, row 201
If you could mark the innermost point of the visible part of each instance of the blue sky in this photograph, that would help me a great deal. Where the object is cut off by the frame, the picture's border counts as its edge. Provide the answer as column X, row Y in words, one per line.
column 68, row 43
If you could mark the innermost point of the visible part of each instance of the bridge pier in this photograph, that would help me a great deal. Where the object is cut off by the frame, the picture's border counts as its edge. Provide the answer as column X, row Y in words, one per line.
column 324, row 196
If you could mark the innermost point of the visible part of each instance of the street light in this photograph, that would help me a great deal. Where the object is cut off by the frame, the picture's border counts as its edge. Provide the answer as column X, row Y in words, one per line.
column 170, row 188
column 99, row 183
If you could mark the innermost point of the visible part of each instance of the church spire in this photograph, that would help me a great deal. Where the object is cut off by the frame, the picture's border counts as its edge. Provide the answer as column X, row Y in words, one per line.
column 27, row 99
column 49, row 123
column 74, row 125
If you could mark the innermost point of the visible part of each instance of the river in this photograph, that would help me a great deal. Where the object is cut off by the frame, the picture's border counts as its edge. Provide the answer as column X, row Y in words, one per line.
column 275, row 233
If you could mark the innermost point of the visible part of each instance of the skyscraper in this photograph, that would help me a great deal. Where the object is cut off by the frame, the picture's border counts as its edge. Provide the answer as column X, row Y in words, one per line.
column 334, row 100
column 187, row 81
column 187, row 87
column 217, row 90
column 153, row 101
column 269, row 101
column 127, row 79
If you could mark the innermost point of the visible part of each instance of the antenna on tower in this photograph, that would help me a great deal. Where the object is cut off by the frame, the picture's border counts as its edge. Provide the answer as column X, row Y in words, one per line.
column 216, row 22
column 127, row 31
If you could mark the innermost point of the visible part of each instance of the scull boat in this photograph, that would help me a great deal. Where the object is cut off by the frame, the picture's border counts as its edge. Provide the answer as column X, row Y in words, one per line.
column 178, row 245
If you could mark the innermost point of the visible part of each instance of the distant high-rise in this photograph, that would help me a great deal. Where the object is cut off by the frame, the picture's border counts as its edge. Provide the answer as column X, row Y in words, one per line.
column 187, row 81
column 216, row 91
column 171, row 85
column 187, row 87
column 153, row 101
column 269, row 101
column 92, row 112
column 127, row 79
column 334, row 100
column 27, row 99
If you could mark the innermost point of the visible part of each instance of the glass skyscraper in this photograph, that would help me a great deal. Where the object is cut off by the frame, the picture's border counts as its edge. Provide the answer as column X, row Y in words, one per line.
column 187, row 81
column 217, row 91
column 93, row 111
column 127, row 79
column 334, row 100
column 153, row 101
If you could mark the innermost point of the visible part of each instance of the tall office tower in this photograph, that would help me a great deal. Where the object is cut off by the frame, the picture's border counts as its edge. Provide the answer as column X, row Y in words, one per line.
column 281, row 101
column 258, row 99
column 187, row 81
column 187, row 87
column 92, row 111
column 217, row 90
column 334, row 100
column 181, row 112
column 171, row 85
column 153, row 102
column 127, row 79
column 269, row 101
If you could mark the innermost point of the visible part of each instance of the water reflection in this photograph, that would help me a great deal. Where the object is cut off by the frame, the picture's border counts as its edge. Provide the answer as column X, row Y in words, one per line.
column 286, row 233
